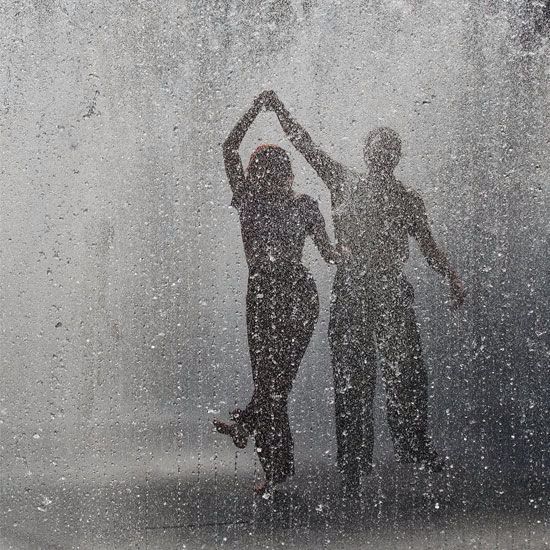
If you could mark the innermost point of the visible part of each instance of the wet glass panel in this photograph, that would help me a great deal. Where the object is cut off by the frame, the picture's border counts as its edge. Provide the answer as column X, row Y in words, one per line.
column 274, row 273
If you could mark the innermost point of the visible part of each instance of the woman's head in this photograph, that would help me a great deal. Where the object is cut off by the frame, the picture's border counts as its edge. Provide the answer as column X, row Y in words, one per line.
column 269, row 170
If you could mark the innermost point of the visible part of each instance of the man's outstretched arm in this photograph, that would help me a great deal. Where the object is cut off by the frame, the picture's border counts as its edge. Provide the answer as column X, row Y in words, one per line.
column 435, row 257
column 329, row 170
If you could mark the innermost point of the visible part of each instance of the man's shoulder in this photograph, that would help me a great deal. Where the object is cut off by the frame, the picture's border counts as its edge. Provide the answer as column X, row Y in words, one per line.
column 411, row 197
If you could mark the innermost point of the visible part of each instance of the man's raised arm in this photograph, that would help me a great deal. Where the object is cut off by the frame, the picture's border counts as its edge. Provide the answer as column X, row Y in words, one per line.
column 329, row 170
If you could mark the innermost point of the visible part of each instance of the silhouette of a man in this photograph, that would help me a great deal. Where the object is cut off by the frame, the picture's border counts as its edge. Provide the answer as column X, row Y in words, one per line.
column 372, row 302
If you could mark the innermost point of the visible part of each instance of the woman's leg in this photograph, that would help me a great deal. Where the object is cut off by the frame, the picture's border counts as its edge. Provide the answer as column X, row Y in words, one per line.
column 258, row 314
column 293, row 309
column 257, row 321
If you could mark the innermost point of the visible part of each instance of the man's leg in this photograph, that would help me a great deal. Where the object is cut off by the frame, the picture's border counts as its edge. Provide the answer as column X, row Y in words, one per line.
column 406, row 381
column 354, row 371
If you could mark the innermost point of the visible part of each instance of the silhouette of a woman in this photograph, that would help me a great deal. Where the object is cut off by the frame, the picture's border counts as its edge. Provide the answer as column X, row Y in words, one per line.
column 281, row 303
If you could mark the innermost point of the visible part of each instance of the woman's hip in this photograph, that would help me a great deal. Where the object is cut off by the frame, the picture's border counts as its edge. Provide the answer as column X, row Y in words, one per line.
column 291, row 292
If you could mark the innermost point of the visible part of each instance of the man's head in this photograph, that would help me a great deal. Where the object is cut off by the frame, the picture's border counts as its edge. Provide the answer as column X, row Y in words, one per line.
column 382, row 149
column 269, row 170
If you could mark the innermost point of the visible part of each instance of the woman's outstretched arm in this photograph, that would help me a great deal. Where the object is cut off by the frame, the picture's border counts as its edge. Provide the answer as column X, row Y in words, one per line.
column 232, row 159
column 318, row 232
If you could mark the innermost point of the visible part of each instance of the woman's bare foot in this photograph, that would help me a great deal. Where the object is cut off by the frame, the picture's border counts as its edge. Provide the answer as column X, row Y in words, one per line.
column 236, row 414
column 237, row 433
column 263, row 488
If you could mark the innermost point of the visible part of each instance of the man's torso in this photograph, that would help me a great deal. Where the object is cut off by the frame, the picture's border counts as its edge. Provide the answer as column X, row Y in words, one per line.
column 373, row 220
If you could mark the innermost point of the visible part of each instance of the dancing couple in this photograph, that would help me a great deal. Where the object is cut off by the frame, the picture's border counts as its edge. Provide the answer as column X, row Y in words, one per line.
column 372, row 302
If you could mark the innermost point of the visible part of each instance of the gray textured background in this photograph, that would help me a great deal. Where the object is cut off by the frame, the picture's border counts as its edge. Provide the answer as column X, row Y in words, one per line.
column 122, row 272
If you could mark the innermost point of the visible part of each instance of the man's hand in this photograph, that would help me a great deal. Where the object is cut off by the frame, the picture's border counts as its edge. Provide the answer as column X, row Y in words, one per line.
column 260, row 102
column 265, row 99
column 269, row 100
column 343, row 253
column 457, row 291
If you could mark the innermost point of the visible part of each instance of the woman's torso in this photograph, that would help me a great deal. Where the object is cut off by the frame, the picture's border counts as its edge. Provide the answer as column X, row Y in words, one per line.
column 274, row 231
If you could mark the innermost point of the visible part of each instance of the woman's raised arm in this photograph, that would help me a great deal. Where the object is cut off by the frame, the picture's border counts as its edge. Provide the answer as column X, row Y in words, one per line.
column 232, row 159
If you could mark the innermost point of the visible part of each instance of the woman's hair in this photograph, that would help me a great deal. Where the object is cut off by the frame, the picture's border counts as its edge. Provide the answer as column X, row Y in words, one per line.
column 269, row 170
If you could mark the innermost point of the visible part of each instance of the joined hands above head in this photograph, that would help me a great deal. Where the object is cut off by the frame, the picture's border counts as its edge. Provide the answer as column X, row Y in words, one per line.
column 268, row 100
